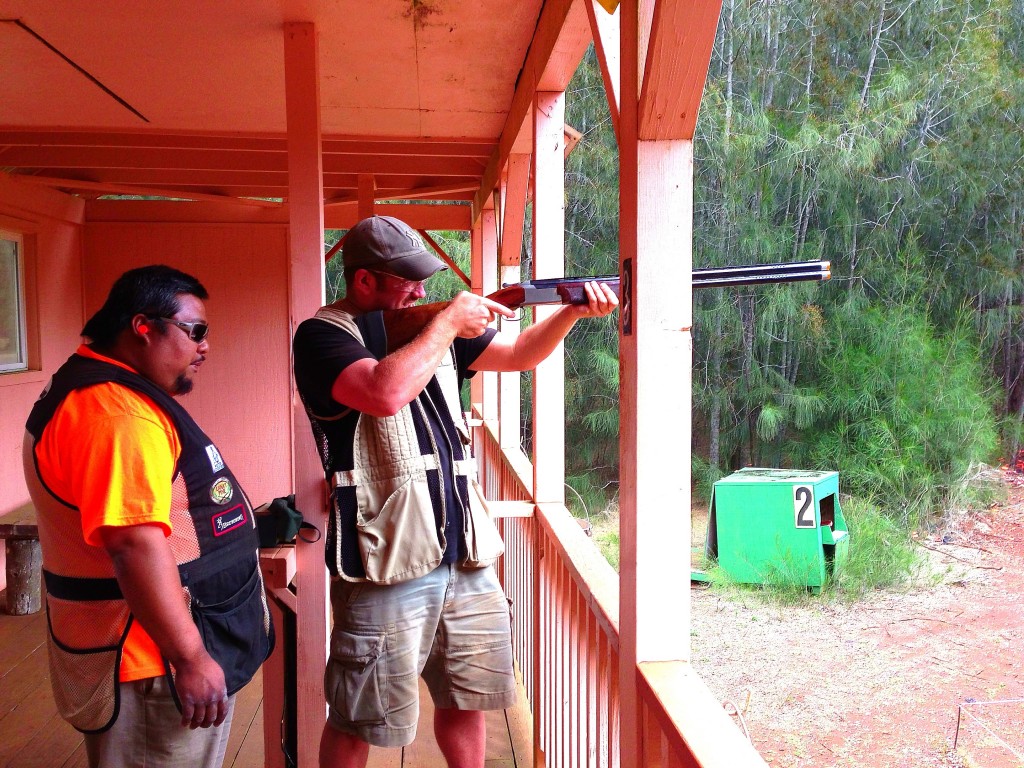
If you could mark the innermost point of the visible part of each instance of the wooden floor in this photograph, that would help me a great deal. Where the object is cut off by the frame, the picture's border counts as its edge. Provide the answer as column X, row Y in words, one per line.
column 32, row 735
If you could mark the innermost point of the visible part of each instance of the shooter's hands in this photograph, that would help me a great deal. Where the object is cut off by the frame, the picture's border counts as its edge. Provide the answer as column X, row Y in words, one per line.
column 469, row 314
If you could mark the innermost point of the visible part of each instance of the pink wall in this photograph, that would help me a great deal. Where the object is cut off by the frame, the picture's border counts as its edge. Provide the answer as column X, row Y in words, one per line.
column 51, row 225
column 242, row 393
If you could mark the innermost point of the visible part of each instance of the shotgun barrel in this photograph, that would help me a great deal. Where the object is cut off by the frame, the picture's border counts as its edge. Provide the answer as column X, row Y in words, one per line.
column 570, row 290
column 403, row 325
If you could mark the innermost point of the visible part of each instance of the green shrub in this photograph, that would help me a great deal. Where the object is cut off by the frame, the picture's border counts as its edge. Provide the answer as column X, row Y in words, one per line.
column 607, row 540
column 704, row 477
column 907, row 417
column 882, row 555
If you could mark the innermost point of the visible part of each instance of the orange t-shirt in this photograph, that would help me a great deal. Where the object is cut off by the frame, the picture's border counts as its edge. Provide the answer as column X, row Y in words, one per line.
column 111, row 452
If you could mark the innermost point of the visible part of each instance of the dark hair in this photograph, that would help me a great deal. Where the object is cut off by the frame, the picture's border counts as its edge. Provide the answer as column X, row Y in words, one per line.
column 151, row 291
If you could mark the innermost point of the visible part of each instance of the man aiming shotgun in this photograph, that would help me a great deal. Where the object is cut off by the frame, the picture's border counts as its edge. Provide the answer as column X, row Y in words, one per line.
column 409, row 543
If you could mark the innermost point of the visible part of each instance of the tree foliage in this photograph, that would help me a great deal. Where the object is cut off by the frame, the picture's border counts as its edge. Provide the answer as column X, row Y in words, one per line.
column 886, row 137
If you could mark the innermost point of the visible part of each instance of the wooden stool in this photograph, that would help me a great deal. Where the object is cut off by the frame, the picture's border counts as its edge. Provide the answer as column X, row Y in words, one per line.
column 24, row 560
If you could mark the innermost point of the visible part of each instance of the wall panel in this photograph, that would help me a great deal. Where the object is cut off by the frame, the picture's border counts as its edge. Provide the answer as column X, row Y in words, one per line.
column 50, row 223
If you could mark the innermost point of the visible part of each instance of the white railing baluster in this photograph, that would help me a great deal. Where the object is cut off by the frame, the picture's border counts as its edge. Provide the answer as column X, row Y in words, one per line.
column 565, row 603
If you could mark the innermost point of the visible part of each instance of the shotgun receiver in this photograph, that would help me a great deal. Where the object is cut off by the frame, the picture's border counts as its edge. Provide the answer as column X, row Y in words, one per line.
column 403, row 325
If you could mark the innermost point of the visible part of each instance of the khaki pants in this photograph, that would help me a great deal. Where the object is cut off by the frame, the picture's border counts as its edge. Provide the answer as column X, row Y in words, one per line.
column 148, row 732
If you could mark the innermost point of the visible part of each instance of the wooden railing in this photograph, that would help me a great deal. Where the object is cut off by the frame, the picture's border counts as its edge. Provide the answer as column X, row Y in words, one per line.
column 565, row 613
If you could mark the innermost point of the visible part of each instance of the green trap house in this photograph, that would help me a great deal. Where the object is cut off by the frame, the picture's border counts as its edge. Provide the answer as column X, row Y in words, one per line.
column 777, row 525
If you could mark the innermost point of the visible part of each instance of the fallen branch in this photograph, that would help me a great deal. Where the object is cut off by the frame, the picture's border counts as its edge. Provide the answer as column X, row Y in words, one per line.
column 972, row 546
column 908, row 618
column 947, row 554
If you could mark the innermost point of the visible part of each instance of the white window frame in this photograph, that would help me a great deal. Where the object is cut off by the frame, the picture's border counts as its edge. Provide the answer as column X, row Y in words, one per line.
column 15, row 359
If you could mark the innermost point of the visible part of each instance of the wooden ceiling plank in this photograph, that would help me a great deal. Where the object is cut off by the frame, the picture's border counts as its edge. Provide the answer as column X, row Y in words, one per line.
column 170, row 211
column 412, row 148
column 143, row 158
column 678, row 55
column 404, row 192
column 165, row 177
column 393, row 190
column 63, row 138
column 396, row 164
column 127, row 189
column 448, row 217
column 239, row 185
column 426, row 147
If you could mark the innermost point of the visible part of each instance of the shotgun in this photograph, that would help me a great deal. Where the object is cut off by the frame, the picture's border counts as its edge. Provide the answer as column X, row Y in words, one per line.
column 403, row 325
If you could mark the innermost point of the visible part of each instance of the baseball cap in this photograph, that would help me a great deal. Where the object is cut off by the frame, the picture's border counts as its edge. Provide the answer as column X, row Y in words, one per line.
column 387, row 244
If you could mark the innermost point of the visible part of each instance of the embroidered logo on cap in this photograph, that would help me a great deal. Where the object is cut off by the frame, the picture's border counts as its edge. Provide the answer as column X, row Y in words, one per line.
column 228, row 520
column 216, row 462
column 415, row 241
column 221, row 491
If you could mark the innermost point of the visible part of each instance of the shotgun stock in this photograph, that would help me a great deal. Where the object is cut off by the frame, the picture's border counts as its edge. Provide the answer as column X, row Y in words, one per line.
column 403, row 325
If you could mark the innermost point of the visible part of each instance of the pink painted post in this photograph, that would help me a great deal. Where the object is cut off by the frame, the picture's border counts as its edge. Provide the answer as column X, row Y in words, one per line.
column 485, row 281
column 659, row 99
column 548, row 184
column 306, row 253
column 514, row 193
column 548, row 181
column 513, row 212
column 476, row 285
column 630, row 62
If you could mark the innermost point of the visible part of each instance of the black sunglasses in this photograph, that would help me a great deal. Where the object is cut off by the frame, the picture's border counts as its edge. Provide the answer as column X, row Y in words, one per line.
column 196, row 331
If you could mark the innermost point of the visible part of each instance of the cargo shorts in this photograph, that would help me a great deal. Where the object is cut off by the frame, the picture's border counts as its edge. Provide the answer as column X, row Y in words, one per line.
column 452, row 626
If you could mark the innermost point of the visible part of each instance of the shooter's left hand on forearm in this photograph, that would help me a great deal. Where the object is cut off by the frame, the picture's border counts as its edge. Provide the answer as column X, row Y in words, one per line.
column 601, row 301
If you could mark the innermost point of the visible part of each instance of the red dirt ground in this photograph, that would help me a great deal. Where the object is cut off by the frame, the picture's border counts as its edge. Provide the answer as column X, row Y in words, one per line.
column 893, row 680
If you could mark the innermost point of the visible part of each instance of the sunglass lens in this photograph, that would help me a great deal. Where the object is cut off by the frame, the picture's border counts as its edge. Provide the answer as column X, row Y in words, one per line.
column 199, row 331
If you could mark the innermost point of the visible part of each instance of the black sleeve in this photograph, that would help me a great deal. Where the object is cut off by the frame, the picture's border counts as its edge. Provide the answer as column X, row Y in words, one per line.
column 322, row 351
column 468, row 350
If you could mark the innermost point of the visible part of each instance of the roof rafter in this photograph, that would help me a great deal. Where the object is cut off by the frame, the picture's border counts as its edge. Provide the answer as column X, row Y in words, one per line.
column 563, row 33
column 679, row 45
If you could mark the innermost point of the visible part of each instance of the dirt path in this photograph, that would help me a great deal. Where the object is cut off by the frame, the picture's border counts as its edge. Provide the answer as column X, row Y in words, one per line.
column 879, row 683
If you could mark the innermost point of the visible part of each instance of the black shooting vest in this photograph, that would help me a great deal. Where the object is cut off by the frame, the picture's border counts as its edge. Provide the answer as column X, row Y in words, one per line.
column 213, row 539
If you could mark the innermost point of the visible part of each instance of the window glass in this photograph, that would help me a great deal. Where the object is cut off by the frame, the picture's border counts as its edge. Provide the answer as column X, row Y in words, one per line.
column 13, row 355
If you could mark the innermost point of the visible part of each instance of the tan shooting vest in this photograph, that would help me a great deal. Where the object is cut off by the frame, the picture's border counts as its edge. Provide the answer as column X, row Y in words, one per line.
column 397, row 535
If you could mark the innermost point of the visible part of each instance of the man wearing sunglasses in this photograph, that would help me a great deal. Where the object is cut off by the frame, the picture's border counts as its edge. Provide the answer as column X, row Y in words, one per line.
column 409, row 543
column 143, row 527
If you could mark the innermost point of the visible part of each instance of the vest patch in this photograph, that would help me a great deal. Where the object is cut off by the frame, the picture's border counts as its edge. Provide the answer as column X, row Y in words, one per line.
column 221, row 491
column 216, row 462
column 228, row 520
